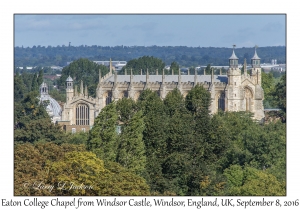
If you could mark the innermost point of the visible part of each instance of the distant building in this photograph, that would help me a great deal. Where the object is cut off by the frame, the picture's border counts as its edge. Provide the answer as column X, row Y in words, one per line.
column 233, row 91
column 116, row 65
column 53, row 108
column 59, row 68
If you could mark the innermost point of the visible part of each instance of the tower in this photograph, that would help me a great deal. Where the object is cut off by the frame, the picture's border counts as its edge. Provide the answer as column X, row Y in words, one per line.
column 69, row 90
column 258, row 97
column 256, row 68
column 233, row 90
column 234, row 73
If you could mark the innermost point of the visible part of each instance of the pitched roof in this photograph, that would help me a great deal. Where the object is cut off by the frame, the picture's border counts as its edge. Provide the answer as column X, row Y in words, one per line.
column 233, row 56
column 255, row 57
column 168, row 78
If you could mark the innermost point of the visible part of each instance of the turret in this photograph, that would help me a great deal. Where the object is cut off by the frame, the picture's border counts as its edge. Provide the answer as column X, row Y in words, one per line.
column 233, row 60
column 195, row 77
column 256, row 69
column 255, row 60
column 69, row 90
column 234, row 73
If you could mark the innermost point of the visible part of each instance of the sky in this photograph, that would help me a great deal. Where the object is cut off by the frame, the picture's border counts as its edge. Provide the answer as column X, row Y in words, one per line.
column 192, row 30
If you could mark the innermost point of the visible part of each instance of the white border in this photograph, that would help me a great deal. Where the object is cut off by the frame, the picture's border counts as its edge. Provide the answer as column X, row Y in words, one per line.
column 7, row 9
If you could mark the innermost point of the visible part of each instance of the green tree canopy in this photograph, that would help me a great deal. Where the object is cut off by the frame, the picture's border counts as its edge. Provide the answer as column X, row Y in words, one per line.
column 85, row 70
column 131, row 150
column 143, row 63
column 103, row 139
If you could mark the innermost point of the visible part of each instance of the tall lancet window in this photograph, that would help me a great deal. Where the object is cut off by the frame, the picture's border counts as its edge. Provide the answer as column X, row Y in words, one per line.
column 108, row 98
column 82, row 114
column 221, row 102
column 248, row 99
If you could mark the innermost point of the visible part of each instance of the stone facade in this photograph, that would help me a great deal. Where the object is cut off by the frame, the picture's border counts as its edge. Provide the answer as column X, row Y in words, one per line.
column 232, row 92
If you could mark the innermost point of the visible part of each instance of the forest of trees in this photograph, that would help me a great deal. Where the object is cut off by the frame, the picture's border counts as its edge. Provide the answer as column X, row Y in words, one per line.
column 166, row 147
column 186, row 56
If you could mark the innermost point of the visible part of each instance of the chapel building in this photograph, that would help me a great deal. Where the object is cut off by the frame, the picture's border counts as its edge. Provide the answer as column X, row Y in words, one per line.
column 231, row 92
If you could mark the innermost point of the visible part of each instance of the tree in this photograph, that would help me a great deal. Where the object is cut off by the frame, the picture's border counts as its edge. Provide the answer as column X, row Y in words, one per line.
column 29, row 109
column 280, row 96
column 197, row 102
column 131, row 150
column 126, row 108
column 31, row 166
column 85, row 70
column 268, row 85
column 19, row 88
column 40, row 77
column 103, row 139
column 143, row 63
column 175, row 67
column 252, row 182
column 39, row 130
column 35, row 85
column 180, row 132
column 208, row 69
column 154, row 137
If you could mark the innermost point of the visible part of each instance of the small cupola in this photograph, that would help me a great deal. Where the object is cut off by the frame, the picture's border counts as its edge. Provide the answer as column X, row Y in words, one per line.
column 44, row 89
column 233, row 60
column 255, row 60
column 69, row 82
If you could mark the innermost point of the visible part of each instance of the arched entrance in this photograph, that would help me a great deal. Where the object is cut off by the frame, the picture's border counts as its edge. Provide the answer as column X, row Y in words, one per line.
column 248, row 99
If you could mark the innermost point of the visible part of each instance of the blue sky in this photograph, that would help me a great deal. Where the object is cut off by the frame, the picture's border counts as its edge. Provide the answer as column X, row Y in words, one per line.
column 146, row 30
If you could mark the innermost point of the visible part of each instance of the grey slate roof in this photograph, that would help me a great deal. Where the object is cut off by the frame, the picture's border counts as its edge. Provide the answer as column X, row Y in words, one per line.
column 168, row 78
column 233, row 56
column 255, row 57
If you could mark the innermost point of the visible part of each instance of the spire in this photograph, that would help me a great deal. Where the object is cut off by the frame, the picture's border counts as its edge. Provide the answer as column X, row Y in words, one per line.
column 81, row 88
column 245, row 66
column 255, row 54
column 212, row 75
column 86, row 91
column 233, row 60
column 195, row 77
column 255, row 60
column 179, row 77
column 115, row 78
column 110, row 66
column 163, row 76
column 131, row 77
column 147, row 76
column 100, row 79
column 76, row 94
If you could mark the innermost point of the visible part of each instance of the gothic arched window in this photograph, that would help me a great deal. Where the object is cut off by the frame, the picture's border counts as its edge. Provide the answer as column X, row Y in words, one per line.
column 221, row 102
column 108, row 98
column 248, row 98
column 82, row 114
